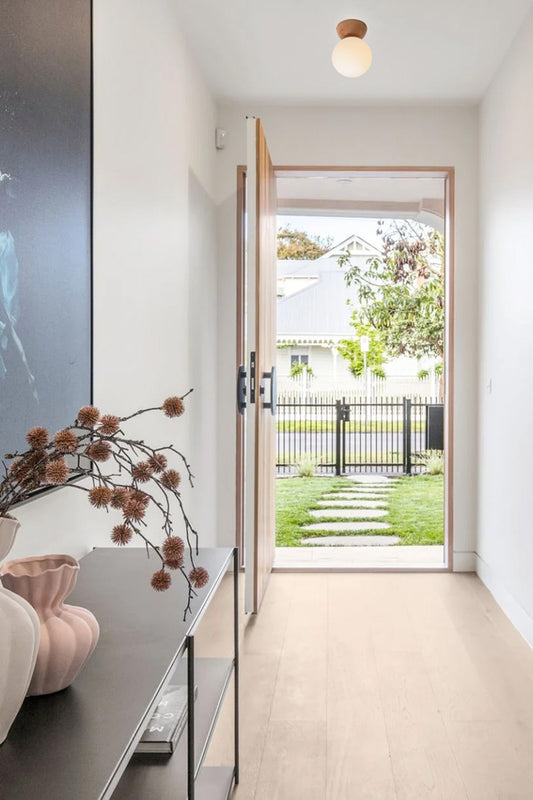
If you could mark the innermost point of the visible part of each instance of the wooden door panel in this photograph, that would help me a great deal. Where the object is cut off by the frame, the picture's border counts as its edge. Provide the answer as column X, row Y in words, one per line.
column 261, row 336
column 266, row 266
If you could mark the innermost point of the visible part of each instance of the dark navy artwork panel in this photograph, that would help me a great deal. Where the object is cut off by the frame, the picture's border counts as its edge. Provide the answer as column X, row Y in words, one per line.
column 45, row 215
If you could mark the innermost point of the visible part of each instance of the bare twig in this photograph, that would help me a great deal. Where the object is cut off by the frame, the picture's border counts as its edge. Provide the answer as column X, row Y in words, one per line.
column 44, row 464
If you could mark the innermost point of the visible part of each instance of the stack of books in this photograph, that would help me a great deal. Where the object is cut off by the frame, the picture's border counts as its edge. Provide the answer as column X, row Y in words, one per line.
column 167, row 723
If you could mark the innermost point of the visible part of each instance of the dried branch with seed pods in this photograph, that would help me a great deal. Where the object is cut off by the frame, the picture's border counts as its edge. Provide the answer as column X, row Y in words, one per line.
column 141, row 478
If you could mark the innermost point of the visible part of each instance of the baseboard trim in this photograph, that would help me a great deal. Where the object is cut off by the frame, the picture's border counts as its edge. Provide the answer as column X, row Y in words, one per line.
column 464, row 561
column 517, row 614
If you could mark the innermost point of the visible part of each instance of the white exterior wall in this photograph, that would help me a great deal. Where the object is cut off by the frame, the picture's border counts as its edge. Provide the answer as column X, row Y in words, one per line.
column 154, row 259
column 358, row 136
column 321, row 360
column 505, row 541
column 331, row 372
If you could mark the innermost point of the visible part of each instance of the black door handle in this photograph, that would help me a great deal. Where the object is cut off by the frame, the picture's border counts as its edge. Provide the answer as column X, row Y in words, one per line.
column 272, row 402
column 241, row 389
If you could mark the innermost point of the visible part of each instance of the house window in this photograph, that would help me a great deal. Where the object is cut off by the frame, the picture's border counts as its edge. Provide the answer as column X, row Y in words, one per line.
column 298, row 359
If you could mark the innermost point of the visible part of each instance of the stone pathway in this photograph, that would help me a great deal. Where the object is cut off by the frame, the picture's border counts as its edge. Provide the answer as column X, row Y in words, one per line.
column 361, row 506
column 349, row 527
column 369, row 487
column 346, row 541
column 352, row 503
column 350, row 513
column 371, row 479
column 354, row 497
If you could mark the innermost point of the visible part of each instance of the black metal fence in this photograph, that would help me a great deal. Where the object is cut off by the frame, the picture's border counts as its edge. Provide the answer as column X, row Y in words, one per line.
column 343, row 436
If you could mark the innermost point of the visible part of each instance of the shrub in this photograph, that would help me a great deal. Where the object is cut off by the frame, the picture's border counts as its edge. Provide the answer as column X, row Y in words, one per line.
column 433, row 460
column 306, row 467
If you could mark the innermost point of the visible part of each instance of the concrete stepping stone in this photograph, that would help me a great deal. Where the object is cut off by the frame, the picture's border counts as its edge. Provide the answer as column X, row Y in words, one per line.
column 347, row 527
column 359, row 487
column 354, row 487
column 344, row 496
column 374, row 482
column 347, row 541
column 362, row 490
column 364, row 487
column 371, row 479
column 352, row 503
column 369, row 487
column 349, row 513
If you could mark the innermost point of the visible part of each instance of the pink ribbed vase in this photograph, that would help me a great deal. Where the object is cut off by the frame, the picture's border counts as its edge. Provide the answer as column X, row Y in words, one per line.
column 68, row 633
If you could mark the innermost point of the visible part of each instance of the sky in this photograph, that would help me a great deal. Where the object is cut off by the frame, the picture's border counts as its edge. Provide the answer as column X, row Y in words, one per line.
column 339, row 228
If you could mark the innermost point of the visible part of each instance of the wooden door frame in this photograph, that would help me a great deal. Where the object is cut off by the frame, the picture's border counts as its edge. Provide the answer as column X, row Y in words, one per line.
column 241, row 357
column 448, row 175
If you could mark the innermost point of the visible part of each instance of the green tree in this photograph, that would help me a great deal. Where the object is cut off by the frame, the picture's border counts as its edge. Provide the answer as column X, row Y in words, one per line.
column 300, row 368
column 298, row 245
column 401, row 292
column 350, row 349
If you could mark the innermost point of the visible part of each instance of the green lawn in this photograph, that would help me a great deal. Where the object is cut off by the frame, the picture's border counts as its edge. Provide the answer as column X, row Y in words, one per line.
column 416, row 508
column 294, row 498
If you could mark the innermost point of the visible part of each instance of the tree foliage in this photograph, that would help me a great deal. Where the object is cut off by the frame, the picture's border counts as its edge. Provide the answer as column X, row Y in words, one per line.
column 401, row 291
column 299, row 245
column 300, row 368
column 350, row 349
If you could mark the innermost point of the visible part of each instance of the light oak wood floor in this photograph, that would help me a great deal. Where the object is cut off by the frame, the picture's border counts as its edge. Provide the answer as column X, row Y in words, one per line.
column 380, row 687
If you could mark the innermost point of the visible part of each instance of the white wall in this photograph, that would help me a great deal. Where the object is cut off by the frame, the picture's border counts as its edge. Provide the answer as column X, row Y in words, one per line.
column 155, row 311
column 505, row 536
column 330, row 370
column 421, row 136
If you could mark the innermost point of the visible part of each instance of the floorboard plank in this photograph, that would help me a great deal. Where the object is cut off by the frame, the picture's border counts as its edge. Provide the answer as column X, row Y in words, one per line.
column 381, row 687
column 294, row 762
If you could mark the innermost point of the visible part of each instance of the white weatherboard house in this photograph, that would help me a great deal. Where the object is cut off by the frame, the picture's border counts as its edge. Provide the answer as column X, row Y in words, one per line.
column 314, row 309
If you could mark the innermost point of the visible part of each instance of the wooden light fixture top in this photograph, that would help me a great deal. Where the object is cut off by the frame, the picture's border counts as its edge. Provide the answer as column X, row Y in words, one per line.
column 351, row 27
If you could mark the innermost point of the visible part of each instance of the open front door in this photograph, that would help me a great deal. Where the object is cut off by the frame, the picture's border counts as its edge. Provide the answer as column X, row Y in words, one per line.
column 261, row 354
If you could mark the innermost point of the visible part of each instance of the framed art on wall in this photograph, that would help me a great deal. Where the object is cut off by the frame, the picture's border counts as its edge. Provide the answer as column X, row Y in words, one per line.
column 45, row 215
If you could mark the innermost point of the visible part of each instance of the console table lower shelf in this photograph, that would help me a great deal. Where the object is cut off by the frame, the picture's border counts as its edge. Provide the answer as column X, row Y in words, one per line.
column 165, row 776
column 78, row 744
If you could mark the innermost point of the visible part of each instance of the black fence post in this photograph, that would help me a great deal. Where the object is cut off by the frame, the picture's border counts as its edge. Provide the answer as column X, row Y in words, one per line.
column 407, row 435
column 345, row 415
column 338, row 408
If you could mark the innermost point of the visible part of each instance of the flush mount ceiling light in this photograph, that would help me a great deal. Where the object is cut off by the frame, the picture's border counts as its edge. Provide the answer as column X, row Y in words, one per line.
column 351, row 56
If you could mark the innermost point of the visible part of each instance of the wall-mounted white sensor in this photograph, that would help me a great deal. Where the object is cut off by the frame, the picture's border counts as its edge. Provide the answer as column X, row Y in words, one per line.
column 220, row 138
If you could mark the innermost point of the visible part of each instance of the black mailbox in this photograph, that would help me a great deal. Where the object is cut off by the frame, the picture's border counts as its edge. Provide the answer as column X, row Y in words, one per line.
column 435, row 427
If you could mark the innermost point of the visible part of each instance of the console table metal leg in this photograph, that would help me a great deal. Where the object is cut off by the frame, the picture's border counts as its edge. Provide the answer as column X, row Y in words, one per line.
column 191, row 761
column 236, row 654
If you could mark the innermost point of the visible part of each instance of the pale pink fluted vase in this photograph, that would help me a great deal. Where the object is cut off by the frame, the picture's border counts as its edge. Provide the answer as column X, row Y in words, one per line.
column 68, row 633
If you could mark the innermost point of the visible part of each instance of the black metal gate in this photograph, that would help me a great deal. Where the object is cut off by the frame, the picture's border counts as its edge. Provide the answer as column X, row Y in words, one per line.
column 354, row 436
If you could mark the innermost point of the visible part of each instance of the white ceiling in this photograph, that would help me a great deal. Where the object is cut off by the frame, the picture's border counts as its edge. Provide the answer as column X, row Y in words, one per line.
column 348, row 186
column 355, row 195
column 279, row 51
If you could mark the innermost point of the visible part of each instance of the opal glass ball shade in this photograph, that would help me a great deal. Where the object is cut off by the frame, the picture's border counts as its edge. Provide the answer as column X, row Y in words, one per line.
column 351, row 57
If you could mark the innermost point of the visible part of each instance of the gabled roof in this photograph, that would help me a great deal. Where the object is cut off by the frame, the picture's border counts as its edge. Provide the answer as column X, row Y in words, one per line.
column 311, row 267
column 355, row 243
column 302, row 268
column 319, row 310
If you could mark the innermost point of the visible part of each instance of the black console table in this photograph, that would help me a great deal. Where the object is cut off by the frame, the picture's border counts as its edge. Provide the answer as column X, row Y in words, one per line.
column 79, row 744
